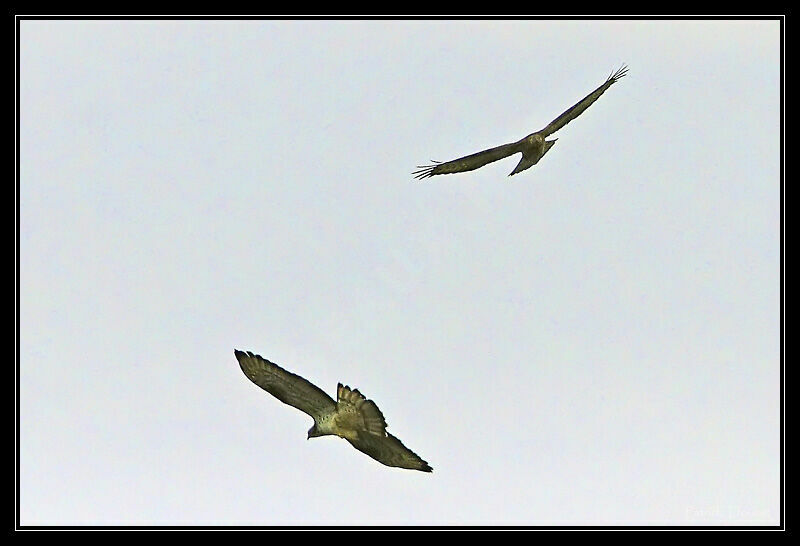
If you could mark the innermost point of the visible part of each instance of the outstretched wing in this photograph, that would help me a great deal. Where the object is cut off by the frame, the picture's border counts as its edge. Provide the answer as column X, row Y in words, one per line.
column 367, row 431
column 467, row 163
column 389, row 451
column 287, row 387
column 578, row 109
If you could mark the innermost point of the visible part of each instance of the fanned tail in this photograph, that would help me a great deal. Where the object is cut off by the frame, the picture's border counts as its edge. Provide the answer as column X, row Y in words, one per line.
column 374, row 421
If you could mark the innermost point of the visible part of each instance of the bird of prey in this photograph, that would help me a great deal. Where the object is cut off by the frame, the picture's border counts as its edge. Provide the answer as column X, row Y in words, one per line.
column 351, row 416
column 533, row 146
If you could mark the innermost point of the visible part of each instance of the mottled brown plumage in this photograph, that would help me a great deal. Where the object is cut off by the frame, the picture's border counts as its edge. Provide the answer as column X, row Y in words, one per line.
column 533, row 146
column 352, row 416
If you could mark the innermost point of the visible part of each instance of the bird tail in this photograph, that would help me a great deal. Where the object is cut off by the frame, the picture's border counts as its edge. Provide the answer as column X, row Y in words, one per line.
column 374, row 421
column 524, row 163
column 528, row 161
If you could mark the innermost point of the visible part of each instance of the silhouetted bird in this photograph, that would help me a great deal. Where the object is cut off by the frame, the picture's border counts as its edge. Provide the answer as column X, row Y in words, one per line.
column 533, row 146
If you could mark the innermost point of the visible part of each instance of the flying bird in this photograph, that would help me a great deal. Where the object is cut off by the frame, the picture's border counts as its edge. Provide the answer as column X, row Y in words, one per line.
column 533, row 146
column 352, row 416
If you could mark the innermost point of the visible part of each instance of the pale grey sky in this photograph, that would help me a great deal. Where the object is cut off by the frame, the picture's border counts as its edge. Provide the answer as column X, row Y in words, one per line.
column 592, row 341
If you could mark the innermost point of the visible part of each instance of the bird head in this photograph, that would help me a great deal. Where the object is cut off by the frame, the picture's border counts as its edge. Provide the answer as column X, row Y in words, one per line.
column 313, row 432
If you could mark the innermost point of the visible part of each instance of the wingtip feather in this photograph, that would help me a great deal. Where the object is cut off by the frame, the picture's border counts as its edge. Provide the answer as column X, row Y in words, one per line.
column 621, row 72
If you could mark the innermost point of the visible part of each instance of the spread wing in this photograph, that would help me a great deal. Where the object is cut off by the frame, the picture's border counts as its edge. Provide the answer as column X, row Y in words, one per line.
column 287, row 387
column 389, row 451
column 365, row 419
column 467, row 163
column 578, row 109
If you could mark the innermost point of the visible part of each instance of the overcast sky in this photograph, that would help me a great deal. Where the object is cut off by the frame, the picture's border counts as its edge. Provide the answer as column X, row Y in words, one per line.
column 592, row 341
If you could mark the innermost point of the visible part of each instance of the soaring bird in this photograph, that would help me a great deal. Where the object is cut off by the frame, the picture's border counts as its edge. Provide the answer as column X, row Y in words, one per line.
column 533, row 146
column 352, row 416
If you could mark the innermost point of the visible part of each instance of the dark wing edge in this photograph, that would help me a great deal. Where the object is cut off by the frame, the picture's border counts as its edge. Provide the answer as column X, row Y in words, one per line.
column 287, row 387
column 587, row 101
column 390, row 451
column 467, row 163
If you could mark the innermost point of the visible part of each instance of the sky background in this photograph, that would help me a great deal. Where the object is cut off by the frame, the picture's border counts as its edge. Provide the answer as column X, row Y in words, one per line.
column 592, row 341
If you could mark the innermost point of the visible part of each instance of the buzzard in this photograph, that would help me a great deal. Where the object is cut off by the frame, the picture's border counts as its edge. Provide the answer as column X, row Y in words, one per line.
column 351, row 416
column 533, row 146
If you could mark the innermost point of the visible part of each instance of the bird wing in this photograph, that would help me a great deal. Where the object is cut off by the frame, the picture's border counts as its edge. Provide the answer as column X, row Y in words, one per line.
column 287, row 387
column 389, row 451
column 578, row 109
column 467, row 163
